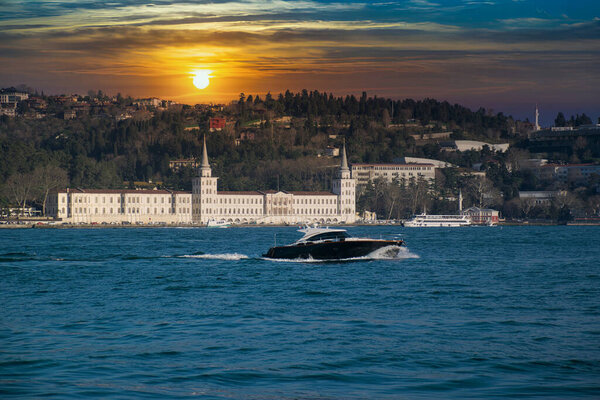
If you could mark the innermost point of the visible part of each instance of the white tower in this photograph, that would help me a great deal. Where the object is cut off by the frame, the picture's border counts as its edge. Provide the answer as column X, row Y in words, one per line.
column 204, row 191
column 345, row 187
column 537, row 118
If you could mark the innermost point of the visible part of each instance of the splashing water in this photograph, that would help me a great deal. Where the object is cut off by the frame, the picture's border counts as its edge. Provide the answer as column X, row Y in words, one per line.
column 224, row 256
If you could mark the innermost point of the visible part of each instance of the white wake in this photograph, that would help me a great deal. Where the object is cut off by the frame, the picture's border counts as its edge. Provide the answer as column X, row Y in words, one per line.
column 224, row 256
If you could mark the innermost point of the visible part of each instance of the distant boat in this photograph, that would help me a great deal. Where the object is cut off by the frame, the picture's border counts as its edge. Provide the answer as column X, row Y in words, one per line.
column 437, row 221
column 213, row 223
column 425, row 220
column 330, row 244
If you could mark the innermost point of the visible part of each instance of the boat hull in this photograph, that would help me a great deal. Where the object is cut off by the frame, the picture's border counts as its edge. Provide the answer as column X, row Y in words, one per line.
column 435, row 224
column 330, row 250
column 217, row 224
column 437, row 221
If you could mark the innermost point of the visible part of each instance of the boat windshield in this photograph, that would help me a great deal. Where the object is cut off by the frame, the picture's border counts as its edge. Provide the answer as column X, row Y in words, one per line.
column 336, row 235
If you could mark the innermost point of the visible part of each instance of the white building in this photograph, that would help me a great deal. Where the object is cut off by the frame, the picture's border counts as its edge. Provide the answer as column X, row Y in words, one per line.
column 332, row 151
column 541, row 197
column 364, row 173
column 465, row 145
column 12, row 97
column 273, row 207
column 153, row 101
column 419, row 160
column 93, row 206
column 120, row 206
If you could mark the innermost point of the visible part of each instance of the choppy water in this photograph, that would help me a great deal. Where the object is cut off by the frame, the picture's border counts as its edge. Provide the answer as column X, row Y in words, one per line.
column 176, row 313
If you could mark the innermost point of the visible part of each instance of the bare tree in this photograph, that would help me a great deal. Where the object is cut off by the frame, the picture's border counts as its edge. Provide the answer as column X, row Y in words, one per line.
column 19, row 187
column 515, row 158
column 593, row 204
column 417, row 191
column 46, row 179
column 481, row 188
column 393, row 196
column 526, row 206
column 564, row 198
column 381, row 187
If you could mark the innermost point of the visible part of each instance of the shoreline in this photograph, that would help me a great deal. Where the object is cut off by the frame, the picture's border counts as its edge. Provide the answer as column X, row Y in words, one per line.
column 36, row 225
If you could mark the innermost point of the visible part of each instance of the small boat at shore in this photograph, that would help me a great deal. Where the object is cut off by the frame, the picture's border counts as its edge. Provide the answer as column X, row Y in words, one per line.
column 329, row 244
column 213, row 223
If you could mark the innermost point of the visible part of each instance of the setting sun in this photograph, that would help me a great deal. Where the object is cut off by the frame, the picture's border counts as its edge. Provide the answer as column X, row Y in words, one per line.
column 201, row 78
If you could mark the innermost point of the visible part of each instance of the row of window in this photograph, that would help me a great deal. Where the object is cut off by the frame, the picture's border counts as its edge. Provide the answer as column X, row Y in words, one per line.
column 393, row 168
column 250, row 211
column 236, row 211
column 317, row 201
column 81, row 199
column 331, row 200
column 130, row 210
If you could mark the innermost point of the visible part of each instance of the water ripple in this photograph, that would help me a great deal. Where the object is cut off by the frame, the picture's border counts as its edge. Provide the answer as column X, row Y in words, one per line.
column 178, row 313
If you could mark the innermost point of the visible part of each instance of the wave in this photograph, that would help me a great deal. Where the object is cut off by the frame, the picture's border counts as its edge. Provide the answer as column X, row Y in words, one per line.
column 15, row 254
column 223, row 256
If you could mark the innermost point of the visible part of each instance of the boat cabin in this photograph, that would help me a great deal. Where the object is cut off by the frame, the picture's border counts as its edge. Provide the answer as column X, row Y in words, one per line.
column 313, row 235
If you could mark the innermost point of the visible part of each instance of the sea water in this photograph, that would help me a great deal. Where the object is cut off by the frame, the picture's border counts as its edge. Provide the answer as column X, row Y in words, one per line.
column 459, row 313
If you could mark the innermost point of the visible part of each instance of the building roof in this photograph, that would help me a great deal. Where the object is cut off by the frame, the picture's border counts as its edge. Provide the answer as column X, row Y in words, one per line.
column 270, row 191
column 569, row 165
column 205, row 164
column 344, row 166
column 391, row 165
column 420, row 160
column 263, row 192
column 121, row 191
column 480, row 209
column 240, row 193
column 305, row 193
column 541, row 194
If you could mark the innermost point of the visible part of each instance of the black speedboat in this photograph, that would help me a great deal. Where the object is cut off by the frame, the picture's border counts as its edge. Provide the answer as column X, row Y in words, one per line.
column 329, row 244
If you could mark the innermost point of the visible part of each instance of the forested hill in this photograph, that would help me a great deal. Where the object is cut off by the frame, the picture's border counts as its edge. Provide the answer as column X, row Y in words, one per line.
column 269, row 142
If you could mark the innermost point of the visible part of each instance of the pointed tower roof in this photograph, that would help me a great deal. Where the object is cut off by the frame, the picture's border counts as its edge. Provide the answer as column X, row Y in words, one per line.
column 205, row 163
column 344, row 166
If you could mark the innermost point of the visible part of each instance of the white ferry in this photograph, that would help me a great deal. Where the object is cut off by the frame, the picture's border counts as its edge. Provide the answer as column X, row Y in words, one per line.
column 425, row 220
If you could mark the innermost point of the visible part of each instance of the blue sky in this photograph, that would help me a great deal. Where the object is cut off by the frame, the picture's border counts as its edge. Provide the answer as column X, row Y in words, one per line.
column 501, row 54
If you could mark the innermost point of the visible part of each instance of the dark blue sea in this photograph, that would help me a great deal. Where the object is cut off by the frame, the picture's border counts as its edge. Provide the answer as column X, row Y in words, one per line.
column 508, row 312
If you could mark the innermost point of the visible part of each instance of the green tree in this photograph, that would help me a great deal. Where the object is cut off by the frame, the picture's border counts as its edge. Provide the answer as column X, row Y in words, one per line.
column 560, row 120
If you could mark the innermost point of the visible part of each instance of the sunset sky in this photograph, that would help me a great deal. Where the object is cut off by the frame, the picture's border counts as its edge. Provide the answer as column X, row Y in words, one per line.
column 501, row 54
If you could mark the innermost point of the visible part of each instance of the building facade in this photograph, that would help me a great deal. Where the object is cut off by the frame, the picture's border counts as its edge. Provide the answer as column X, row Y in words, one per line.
column 216, row 124
column 205, row 202
column 578, row 174
column 541, row 197
column 364, row 173
column 419, row 160
column 12, row 96
column 273, row 207
column 466, row 145
column 88, row 206
column 176, row 165
column 482, row 216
